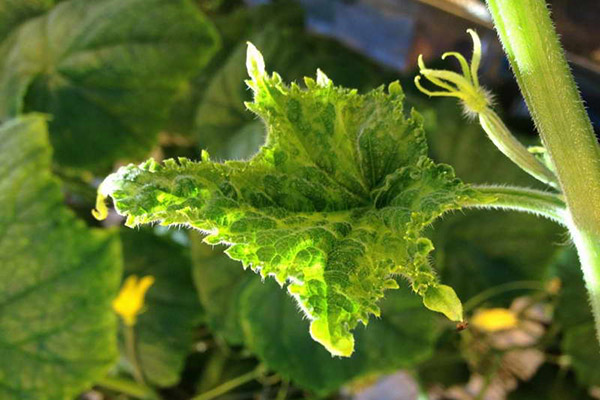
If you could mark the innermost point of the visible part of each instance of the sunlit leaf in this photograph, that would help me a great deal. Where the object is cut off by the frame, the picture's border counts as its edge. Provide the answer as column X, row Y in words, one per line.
column 335, row 201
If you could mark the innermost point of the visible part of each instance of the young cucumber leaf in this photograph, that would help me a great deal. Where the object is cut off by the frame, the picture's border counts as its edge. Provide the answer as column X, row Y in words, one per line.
column 105, row 70
column 222, row 125
column 334, row 202
column 58, row 278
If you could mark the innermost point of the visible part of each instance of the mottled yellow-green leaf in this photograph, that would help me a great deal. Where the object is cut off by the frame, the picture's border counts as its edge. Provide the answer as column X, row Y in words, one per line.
column 334, row 203
column 443, row 299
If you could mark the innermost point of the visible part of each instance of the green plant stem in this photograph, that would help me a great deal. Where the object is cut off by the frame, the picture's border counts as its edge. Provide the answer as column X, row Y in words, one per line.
column 496, row 290
column 504, row 140
column 548, row 205
column 130, row 347
column 212, row 370
column 231, row 384
column 127, row 387
column 541, row 69
column 283, row 390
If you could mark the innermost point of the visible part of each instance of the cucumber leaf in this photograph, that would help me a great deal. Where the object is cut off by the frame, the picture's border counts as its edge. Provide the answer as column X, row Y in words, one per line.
column 263, row 318
column 105, row 70
column 57, row 281
column 580, row 343
column 550, row 383
column 221, row 118
column 573, row 307
column 335, row 201
column 275, row 330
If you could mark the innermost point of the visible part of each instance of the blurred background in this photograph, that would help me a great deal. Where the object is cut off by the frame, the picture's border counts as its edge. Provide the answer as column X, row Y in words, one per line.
column 214, row 331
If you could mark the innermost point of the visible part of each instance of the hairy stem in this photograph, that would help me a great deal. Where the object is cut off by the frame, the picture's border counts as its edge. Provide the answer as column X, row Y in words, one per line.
column 544, row 204
column 588, row 248
column 541, row 69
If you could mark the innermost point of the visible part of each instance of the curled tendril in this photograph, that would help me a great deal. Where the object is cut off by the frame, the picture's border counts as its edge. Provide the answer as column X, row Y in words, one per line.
column 465, row 87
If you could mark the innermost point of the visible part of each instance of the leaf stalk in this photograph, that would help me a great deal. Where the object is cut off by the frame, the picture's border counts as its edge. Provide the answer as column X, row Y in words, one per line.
column 543, row 204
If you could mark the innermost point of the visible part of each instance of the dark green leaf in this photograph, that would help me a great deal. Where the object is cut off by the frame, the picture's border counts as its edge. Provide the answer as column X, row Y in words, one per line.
column 573, row 306
column 165, row 330
column 580, row 343
column 57, row 330
column 106, row 70
column 219, row 281
column 447, row 366
column 550, row 383
column 15, row 12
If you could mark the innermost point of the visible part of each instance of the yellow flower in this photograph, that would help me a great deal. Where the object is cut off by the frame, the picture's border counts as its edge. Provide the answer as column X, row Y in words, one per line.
column 495, row 319
column 130, row 301
column 553, row 287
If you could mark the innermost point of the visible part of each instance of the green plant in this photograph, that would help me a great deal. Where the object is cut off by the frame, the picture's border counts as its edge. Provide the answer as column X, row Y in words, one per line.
column 340, row 206
column 336, row 200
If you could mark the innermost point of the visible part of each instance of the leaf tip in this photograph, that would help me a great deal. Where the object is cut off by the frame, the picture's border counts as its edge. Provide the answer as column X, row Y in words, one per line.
column 342, row 346
column 443, row 299
column 395, row 89
column 255, row 62
column 322, row 79
column 130, row 222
